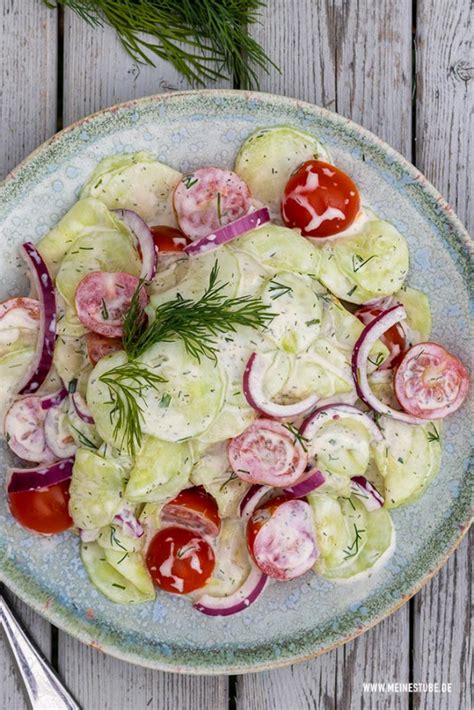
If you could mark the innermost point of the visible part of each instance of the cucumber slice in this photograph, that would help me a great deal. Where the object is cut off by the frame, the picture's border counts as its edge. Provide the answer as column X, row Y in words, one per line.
column 298, row 311
column 418, row 311
column 160, row 471
column 107, row 580
column 372, row 263
column 252, row 275
column 342, row 447
column 113, row 537
column 232, row 561
column 280, row 249
column 96, row 490
column 103, row 250
column 182, row 407
column 72, row 361
column 131, row 565
column 87, row 217
column 13, row 366
column 212, row 471
column 350, row 539
column 138, row 182
column 323, row 369
column 410, row 459
column 269, row 156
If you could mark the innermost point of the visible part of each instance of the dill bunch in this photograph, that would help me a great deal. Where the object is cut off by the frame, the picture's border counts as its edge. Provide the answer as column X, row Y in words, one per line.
column 205, row 40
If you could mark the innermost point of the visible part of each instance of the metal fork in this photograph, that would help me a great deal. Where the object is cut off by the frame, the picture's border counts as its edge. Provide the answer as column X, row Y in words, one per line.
column 45, row 690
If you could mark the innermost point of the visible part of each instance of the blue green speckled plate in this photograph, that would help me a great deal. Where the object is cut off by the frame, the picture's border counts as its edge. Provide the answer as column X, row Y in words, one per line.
column 290, row 621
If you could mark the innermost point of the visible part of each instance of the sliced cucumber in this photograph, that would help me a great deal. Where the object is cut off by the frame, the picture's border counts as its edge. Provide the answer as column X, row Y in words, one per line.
column 323, row 369
column 13, row 366
column 87, row 217
column 298, row 311
column 410, row 459
column 371, row 263
column 342, row 447
column 280, row 249
column 232, row 561
column 111, row 583
column 103, row 250
column 160, row 471
column 131, row 565
column 269, row 156
column 138, row 182
column 96, row 490
column 418, row 311
column 114, row 537
column 72, row 361
column 212, row 471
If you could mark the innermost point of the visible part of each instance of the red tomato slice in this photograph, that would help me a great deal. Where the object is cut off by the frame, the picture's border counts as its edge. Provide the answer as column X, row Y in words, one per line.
column 193, row 508
column 180, row 560
column 320, row 199
column 267, row 452
column 281, row 538
column 102, row 299
column 24, row 430
column 168, row 238
column 43, row 511
column 430, row 382
column 98, row 346
column 209, row 199
column 394, row 338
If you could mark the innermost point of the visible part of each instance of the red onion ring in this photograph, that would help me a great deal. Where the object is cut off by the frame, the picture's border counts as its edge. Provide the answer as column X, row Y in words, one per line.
column 238, row 601
column 52, row 400
column 313, row 480
column 81, row 408
column 371, row 333
column 126, row 518
column 33, row 479
column 332, row 412
column 244, row 224
column 145, row 239
column 253, row 391
column 251, row 499
column 42, row 360
column 371, row 498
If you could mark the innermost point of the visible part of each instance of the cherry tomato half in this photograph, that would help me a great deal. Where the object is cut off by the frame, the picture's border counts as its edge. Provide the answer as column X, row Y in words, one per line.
column 193, row 508
column 180, row 560
column 394, row 338
column 98, row 346
column 320, row 199
column 261, row 515
column 168, row 238
column 430, row 382
column 44, row 510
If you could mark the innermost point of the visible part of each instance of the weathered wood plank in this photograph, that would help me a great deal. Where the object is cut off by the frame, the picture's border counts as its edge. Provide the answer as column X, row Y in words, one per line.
column 28, row 33
column 354, row 58
column 445, row 100
column 99, row 73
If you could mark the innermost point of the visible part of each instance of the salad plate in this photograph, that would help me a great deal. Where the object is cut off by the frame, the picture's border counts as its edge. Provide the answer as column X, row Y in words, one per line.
column 188, row 131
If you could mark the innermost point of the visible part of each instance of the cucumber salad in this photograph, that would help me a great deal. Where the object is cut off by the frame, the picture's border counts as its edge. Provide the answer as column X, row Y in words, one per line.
column 222, row 379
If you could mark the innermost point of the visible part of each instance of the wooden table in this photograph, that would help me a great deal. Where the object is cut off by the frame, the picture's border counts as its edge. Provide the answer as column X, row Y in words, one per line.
column 401, row 68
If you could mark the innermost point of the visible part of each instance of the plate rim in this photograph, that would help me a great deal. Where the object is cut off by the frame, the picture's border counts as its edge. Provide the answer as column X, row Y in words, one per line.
column 54, row 612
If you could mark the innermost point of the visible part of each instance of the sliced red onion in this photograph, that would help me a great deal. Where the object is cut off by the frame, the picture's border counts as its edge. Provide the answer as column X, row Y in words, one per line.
column 33, row 479
column 81, row 408
column 333, row 412
column 89, row 535
column 52, row 400
column 145, row 239
column 253, row 390
column 367, row 492
column 371, row 333
column 43, row 357
column 127, row 519
column 244, row 224
column 313, row 480
column 238, row 601
column 251, row 499
column 58, row 435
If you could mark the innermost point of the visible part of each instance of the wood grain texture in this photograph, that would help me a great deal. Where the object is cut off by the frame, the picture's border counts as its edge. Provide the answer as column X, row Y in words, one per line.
column 445, row 100
column 28, row 33
column 27, row 117
column 98, row 72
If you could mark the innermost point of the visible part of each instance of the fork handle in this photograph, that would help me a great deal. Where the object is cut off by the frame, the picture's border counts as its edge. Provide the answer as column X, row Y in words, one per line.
column 45, row 690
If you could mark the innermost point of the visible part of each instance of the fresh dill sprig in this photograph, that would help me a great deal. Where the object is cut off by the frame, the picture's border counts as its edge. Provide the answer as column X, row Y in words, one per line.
column 433, row 435
column 278, row 289
column 127, row 385
column 83, row 439
column 358, row 261
column 205, row 40
column 196, row 323
column 302, row 440
column 353, row 549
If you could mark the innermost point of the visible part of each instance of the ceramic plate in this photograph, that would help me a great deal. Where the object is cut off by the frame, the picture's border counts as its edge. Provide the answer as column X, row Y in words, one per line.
column 305, row 617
